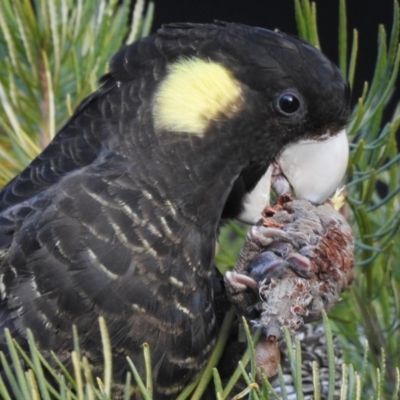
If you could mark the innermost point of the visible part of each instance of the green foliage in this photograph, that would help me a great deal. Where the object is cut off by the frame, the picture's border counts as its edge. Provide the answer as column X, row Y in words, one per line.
column 51, row 54
column 43, row 381
column 370, row 310
column 36, row 383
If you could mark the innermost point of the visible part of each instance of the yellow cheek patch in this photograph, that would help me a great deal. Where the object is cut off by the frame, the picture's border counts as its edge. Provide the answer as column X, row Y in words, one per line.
column 194, row 93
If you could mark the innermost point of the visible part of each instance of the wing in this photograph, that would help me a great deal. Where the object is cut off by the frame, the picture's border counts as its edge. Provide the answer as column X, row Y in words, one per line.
column 84, row 231
column 101, row 243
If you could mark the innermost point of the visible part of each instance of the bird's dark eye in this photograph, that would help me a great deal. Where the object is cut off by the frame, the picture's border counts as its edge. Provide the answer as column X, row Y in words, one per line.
column 288, row 103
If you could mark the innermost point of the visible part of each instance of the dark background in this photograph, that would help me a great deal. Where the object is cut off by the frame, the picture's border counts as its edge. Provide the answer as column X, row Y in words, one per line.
column 365, row 16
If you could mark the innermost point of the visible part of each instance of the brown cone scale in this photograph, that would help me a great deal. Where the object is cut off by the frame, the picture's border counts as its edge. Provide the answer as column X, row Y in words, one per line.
column 325, row 239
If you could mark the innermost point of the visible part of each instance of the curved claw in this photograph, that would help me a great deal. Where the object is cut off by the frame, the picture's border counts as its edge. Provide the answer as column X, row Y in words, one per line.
column 239, row 282
column 281, row 249
column 300, row 264
column 264, row 236
column 267, row 266
column 236, row 286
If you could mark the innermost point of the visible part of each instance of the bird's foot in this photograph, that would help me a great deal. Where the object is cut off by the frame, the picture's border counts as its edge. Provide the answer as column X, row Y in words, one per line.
column 268, row 254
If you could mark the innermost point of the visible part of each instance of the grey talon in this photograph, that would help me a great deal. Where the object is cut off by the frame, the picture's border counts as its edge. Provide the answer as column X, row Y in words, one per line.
column 271, row 269
column 238, row 280
column 300, row 264
column 265, row 236
column 281, row 249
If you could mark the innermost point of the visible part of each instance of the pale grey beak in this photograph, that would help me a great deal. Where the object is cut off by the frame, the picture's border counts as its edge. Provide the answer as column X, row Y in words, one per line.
column 308, row 169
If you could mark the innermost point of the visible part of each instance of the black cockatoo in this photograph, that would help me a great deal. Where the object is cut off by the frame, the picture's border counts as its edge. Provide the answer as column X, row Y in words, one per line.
column 119, row 215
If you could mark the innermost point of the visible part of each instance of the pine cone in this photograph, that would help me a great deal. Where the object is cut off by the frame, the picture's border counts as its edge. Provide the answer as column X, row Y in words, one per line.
column 322, row 253
column 297, row 260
